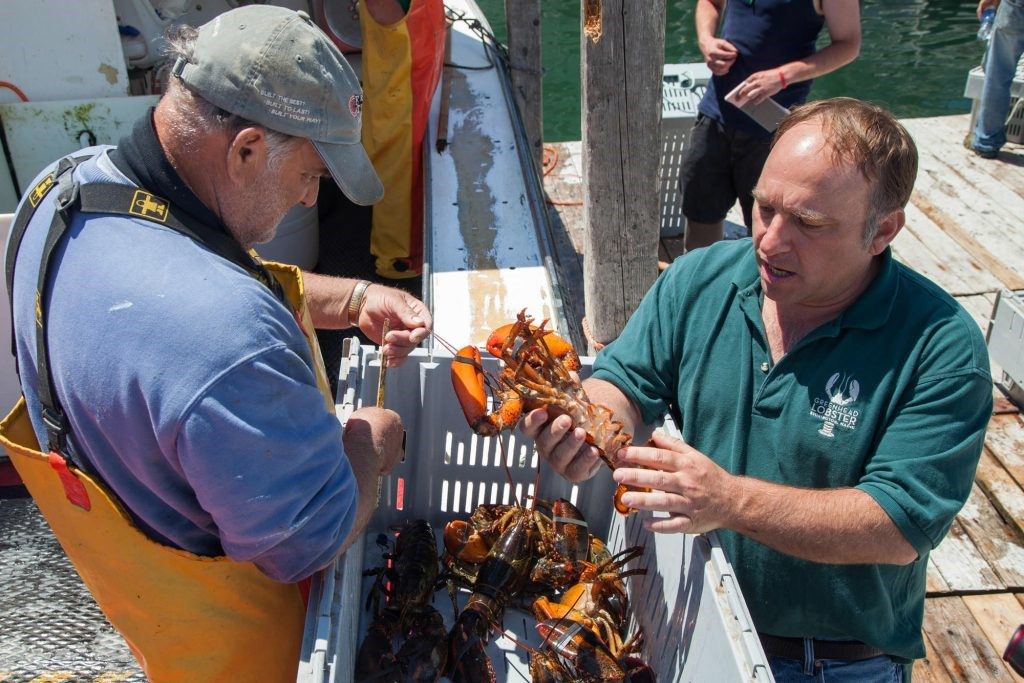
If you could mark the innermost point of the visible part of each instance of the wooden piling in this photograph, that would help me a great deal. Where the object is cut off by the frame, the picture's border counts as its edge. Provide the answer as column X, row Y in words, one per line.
column 622, row 55
column 522, row 18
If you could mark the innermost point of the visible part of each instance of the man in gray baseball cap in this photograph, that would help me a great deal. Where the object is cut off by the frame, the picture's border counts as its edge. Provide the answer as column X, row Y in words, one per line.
column 275, row 67
column 187, row 407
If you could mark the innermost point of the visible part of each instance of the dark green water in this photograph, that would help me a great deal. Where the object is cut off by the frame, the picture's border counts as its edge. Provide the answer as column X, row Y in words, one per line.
column 914, row 56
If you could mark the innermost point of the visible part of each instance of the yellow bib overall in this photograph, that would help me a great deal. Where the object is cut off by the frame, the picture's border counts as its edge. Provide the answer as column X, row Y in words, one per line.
column 402, row 65
column 185, row 617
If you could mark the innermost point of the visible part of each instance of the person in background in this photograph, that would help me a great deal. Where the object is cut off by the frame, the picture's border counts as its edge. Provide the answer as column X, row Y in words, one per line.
column 1006, row 45
column 191, row 461
column 765, row 48
column 832, row 402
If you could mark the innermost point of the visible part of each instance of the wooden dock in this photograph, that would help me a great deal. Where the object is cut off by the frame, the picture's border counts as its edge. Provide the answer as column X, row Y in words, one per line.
column 965, row 231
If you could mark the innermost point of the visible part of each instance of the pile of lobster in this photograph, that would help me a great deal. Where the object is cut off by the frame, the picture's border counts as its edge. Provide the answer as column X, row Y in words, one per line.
column 538, row 559
column 547, row 561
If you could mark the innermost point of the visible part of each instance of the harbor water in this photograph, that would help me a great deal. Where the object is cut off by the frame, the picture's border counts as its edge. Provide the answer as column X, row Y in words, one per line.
column 914, row 57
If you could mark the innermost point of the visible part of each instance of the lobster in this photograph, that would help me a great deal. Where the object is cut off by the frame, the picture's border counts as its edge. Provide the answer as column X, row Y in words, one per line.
column 588, row 659
column 562, row 541
column 598, row 601
column 500, row 577
column 413, row 576
column 537, row 373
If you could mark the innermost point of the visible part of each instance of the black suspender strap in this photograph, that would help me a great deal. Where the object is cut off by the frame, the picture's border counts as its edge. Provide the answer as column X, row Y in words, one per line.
column 107, row 198
column 126, row 200
column 21, row 219
column 53, row 416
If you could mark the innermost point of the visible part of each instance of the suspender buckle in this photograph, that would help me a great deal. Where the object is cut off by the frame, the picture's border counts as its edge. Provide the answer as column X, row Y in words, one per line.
column 67, row 195
column 57, row 427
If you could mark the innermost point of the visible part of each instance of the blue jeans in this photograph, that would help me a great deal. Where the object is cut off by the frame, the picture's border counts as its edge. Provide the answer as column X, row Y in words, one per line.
column 875, row 670
column 1004, row 51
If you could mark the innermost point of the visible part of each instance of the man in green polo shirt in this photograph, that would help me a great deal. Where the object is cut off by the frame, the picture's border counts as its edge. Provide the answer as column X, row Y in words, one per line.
column 832, row 402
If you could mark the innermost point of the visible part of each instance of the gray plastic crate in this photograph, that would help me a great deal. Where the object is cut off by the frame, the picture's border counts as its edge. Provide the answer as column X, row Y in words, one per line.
column 682, row 87
column 1015, row 123
column 1005, row 339
column 689, row 606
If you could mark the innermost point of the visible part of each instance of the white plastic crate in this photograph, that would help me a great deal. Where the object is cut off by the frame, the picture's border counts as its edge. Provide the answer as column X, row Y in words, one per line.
column 1005, row 339
column 695, row 621
column 1015, row 125
column 682, row 88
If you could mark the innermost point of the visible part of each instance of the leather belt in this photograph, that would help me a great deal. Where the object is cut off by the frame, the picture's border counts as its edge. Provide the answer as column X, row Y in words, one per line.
column 793, row 648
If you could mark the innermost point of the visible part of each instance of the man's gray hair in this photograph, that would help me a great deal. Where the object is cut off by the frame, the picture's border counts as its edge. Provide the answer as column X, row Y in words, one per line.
column 195, row 116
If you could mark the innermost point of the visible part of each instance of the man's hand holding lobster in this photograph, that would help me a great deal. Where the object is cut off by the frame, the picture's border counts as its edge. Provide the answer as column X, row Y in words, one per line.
column 562, row 444
column 682, row 481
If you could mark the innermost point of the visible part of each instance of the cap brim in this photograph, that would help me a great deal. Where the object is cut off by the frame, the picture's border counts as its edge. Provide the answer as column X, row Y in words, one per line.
column 352, row 171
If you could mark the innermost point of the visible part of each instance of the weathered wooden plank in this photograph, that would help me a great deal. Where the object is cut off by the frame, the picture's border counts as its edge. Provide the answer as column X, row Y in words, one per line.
column 959, row 643
column 998, row 616
column 942, row 136
column 965, row 197
column 562, row 189
column 962, row 565
column 1004, row 493
column 995, row 538
column 934, row 583
column 971, row 175
column 924, row 199
column 909, row 249
column 621, row 78
column 930, row 669
column 522, row 17
column 1005, row 439
column 929, row 250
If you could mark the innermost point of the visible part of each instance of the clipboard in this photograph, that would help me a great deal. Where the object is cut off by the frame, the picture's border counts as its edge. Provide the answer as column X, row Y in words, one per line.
column 767, row 114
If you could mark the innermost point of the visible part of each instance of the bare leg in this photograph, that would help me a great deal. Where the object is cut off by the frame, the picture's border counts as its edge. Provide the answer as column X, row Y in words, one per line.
column 702, row 234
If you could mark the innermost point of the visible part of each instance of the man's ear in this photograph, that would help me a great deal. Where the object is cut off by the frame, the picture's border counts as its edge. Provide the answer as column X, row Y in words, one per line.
column 247, row 154
column 888, row 227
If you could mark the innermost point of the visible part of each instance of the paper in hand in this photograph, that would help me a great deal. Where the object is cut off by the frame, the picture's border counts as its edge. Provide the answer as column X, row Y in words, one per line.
column 767, row 114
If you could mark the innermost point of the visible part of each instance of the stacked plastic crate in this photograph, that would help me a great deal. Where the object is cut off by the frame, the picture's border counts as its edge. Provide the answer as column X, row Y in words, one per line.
column 683, row 87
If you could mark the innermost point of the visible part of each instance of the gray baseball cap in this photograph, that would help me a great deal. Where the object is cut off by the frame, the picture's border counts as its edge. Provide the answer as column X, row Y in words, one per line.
column 275, row 67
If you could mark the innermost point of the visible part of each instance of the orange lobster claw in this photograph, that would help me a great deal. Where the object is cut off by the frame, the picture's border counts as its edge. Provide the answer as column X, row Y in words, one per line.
column 468, row 381
column 462, row 542
column 621, row 507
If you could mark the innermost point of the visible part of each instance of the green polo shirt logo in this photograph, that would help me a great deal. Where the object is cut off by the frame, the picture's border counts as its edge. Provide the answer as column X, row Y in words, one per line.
column 841, row 390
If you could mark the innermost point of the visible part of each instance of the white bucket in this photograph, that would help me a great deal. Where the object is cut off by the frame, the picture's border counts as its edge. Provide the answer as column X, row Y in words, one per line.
column 297, row 240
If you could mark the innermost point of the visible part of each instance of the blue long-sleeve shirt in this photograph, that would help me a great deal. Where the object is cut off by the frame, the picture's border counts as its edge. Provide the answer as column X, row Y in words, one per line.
column 189, row 387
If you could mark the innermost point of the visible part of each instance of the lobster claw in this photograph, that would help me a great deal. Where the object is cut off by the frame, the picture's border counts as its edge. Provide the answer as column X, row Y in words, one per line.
column 461, row 541
column 468, row 381
column 621, row 507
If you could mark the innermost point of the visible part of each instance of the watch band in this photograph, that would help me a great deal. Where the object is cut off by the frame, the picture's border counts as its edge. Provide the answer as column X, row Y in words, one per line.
column 355, row 303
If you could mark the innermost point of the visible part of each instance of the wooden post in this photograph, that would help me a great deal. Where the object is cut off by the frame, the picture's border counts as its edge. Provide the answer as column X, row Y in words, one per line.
column 623, row 54
column 523, row 20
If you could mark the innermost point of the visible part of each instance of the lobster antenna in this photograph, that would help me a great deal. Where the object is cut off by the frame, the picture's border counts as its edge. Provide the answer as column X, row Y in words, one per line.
column 445, row 343
column 450, row 348
column 508, row 469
